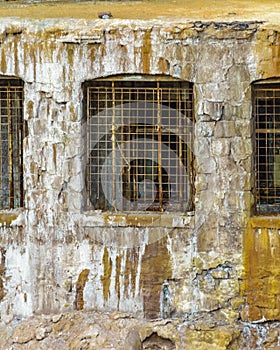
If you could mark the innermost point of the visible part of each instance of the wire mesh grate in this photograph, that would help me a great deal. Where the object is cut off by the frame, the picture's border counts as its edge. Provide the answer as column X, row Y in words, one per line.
column 12, row 134
column 139, row 133
column 266, row 110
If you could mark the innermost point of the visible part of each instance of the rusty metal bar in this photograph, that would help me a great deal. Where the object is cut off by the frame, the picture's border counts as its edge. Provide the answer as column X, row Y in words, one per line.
column 180, row 150
column 10, row 150
column 114, row 146
column 159, row 131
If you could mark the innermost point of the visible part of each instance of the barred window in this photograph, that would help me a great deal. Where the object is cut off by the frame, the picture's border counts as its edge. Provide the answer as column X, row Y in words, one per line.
column 266, row 113
column 139, row 144
column 12, row 134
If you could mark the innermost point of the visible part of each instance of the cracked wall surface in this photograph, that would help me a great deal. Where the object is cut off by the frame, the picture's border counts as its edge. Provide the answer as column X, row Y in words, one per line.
column 55, row 255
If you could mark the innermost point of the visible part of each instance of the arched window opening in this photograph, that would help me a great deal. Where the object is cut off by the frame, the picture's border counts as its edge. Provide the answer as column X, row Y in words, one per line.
column 139, row 135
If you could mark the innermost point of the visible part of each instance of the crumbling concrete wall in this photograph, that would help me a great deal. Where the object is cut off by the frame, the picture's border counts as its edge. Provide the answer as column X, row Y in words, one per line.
column 58, row 256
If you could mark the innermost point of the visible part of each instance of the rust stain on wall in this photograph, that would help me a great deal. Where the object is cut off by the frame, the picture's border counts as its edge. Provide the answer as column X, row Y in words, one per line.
column 3, row 60
column 30, row 106
column 276, row 57
column 130, row 271
column 163, row 65
column 107, row 272
column 80, row 285
column 155, row 269
column 117, row 277
column 92, row 48
column 146, row 51
column 70, row 52
column 15, row 51
column 261, row 285
column 54, row 154
column 2, row 272
column 72, row 112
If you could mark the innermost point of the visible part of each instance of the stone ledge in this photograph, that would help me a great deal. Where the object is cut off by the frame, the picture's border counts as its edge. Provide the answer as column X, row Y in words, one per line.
column 265, row 222
column 96, row 218
column 11, row 218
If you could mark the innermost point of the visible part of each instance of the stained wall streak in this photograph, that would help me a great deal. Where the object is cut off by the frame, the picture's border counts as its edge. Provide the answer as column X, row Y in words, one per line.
column 80, row 285
column 155, row 269
column 107, row 273
column 2, row 272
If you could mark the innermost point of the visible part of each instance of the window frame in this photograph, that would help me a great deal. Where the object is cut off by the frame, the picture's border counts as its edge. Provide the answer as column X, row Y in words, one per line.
column 265, row 110
column 13, row 132
column 190, row 165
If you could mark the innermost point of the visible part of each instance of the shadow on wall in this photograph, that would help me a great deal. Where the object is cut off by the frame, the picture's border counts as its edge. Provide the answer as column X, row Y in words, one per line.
column 156, row 342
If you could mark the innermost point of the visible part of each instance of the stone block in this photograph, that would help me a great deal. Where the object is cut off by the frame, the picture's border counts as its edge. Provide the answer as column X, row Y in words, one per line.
column 244, row 128
column 207, row 239
column 251, row 313
column 213, row 109
column 225, row 129
column 201, row 147
column 220, row 273
column 237, row 303
column 218, row 338
column 204, row 129
column 206, row 166
column 241, row 149
column 220, row 147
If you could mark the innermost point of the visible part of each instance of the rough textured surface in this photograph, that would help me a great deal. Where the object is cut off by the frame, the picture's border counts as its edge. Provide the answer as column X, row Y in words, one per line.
column 120, row 331
column 199, row 269
column 79, row 259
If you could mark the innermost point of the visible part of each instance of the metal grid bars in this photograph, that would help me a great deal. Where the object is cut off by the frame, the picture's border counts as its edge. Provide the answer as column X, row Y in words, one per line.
column 266, row 110
column 12, row 133
column 139, row 138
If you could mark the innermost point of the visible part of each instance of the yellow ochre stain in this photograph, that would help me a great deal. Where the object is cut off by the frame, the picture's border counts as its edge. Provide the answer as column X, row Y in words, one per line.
column 72, row 112
column 261, row 257
column 3, row 60
column 107, row 272
column 146, row 51
column 80, row 285
column 70, row 51
column 7, row 218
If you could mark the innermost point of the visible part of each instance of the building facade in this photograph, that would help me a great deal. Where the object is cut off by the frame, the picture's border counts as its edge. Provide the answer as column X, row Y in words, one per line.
column 140, row 168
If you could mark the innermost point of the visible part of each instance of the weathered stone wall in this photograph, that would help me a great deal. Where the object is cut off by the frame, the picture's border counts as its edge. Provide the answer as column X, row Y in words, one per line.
column 57, row 256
